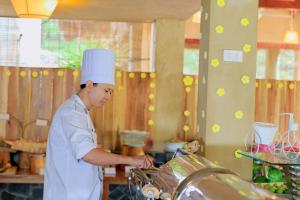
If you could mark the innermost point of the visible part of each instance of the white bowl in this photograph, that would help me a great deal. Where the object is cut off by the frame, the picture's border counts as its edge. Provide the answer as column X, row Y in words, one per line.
column 134, row 138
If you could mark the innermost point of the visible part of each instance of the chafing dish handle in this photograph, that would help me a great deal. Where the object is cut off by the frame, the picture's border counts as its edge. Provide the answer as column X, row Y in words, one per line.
column 198, row 174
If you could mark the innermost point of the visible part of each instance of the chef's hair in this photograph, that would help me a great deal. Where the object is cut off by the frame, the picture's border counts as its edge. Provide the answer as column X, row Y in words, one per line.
column 82, row 86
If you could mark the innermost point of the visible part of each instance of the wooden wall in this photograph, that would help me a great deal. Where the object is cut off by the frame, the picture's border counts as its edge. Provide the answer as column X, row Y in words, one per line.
column 30, row 93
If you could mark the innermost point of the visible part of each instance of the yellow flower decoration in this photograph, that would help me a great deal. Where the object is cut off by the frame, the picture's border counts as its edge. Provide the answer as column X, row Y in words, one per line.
column 216, row 128
column 131, row 75
column 34, row 74
column 23, row 73
column 151, row 96
column 186, row 128
column 60, row 73
column 221, row 3
column 245, row 79
column 220, row 92
column 292, row 86
column 188, row 80
column 143, row 75
column 152, row 75
column 152, row 85
column 186, row 113
column 75, row 73
column 215, row 62
column 219, row 29
column 150, row 122
column 45, row 72
column 187, row 89
column 7, row 72
column 256, row 84
column 268, row 85
column 118, row 74
column 237, row 153
column 239, row 114
column 280, row 85
column 245, row 22
column 247, row 48
column 151, row 108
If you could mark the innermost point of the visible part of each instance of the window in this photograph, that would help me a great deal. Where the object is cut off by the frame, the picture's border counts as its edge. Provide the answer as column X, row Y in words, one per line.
column 191, row 61
column 261, row 57
column 60, row 43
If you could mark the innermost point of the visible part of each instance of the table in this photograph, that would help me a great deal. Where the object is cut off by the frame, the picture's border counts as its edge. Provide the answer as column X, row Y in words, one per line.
column 291, row 168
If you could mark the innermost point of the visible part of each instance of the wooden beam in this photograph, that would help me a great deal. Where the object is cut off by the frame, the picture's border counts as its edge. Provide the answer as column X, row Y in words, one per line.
column 194, row 43
column 280, row 4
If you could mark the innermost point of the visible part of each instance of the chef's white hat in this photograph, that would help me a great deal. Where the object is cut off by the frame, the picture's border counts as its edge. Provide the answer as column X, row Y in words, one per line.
column 98, row 66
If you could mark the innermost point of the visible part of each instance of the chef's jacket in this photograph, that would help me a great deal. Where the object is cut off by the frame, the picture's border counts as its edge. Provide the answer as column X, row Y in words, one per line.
column 71, row 136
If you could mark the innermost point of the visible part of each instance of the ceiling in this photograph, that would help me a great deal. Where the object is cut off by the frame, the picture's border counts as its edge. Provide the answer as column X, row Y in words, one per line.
column 117, row 10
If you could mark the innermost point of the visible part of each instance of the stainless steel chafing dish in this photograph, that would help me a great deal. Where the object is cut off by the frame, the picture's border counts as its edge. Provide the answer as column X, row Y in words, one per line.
column 190, row 177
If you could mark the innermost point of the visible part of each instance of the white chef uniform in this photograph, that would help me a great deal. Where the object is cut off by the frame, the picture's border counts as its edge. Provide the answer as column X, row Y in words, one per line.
column 72, row 135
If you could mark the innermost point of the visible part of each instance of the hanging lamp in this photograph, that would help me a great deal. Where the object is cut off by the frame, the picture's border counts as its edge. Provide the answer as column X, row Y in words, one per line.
column 34, row 8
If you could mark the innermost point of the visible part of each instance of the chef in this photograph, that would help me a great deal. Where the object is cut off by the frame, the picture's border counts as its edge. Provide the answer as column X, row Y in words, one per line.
column 73, row 161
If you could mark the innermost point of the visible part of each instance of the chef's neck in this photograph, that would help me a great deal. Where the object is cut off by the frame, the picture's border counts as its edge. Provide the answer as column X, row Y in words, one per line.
column 83, row 95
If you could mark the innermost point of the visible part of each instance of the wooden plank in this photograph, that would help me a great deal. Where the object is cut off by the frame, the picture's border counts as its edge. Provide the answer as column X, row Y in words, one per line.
column 13, row 130
column 3, row 98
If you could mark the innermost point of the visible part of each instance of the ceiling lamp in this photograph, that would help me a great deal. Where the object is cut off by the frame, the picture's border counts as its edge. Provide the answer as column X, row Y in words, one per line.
column 291, row 36
column 34, row 8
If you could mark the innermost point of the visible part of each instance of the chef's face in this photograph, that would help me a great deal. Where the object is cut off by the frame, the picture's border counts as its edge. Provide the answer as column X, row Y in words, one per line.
column 99, row 94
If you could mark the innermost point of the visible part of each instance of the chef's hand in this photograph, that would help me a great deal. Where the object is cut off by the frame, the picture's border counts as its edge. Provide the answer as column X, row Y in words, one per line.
column 144, row 162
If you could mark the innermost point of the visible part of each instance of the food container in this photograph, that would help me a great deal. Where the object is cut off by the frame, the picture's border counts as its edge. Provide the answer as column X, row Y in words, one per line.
column 37, row 163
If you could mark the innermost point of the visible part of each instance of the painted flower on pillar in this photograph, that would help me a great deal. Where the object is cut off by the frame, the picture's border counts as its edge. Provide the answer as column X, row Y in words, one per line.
column 220, row 92
column 143, row 75
column 150, row 122
column 269, row 85
column 221, row 3
column 237, row 153
column 151, row 108
column 186, row 128
column 60, row 73
column 131, row 75
column 245, row 22
column 215, row 62
column 186, row 113
column 151, row 96
column 216, row 128
column 245, row 79
column 7, row 72
column 187, row 89
column 75, row 73
column 292, row 86
column 219, row 29
column 152, row 75
column 239, row 114
column 280, row 85
column 256, row 84
column 23, row 73
column 247, row 48
column 34, row 74
column 118, row 74
column 188, row 81
column 152, row 85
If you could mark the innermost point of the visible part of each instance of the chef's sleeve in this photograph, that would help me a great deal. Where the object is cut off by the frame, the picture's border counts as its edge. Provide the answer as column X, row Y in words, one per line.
column 77, row 133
